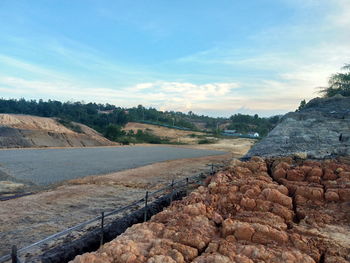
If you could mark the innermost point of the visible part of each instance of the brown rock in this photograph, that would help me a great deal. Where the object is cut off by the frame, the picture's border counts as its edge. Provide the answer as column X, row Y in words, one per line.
column 345, row 175
column 331, row 196
column 248, row 203
column 275, row 196
column 295, row 175
column 328, row 174
column 306, row 169
column 244, row 232
column 279, row 173
column 344, row 194
column 316, row 171
column 244, row 216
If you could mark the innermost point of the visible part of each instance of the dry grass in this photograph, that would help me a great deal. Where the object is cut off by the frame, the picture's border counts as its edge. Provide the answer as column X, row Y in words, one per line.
column 173, row 135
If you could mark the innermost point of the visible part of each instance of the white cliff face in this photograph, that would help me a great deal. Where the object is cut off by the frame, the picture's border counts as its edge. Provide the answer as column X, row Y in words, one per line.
column 319, row 130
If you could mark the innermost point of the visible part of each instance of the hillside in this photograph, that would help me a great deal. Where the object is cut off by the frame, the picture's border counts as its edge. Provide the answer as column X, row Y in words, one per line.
column 18, row 131
column 174, row 135
column 320, row 129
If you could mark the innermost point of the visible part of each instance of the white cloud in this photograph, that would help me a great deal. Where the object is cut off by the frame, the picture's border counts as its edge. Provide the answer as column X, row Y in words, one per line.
column 287, row 65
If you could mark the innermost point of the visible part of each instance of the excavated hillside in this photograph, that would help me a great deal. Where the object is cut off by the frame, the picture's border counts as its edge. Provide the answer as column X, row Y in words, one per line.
column 321, row 129
column 278, row 210
column 17, row 131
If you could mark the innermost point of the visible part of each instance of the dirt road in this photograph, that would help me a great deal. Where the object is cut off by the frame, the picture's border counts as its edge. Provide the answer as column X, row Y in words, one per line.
column 47, row 166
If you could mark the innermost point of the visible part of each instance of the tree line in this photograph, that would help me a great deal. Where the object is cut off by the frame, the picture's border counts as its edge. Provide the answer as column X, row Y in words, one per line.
column 109, row 119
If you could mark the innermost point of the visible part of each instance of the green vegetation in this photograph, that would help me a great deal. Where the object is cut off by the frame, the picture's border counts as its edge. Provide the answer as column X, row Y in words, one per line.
column 88, row 114
column 70, row 125
column 167, row 118
column 247, row 123
column 338, row 83
column 109, row 119
column 115, row 133
column 302, row 105
column 206, row 141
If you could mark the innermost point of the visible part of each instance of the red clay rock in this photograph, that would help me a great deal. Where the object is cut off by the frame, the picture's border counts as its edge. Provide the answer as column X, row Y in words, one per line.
column 331, row 196
column 295, row 175
column 275, row 196
column 328, row 174
column 344, row 194
column 315, row 171
column 245, row 216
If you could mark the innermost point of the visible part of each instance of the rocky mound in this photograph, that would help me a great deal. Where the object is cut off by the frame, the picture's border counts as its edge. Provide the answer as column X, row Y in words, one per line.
column 321, row 129
column 299, row 214
column 18, row 131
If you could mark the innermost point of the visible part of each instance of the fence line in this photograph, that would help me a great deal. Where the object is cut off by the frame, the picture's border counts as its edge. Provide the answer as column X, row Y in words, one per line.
column 180, row 184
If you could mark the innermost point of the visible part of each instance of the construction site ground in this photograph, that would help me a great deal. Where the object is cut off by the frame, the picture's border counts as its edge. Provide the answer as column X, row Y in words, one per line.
column 30, row 218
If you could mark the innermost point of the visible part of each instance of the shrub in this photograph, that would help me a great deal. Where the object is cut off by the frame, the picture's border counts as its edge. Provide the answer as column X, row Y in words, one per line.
column 206, row 141
column 67, row 123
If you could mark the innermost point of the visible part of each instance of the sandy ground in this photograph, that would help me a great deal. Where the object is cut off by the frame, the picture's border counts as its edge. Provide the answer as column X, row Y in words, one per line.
column 31, row 218
column 29, row 122
column 236, row 147
column 28, row 219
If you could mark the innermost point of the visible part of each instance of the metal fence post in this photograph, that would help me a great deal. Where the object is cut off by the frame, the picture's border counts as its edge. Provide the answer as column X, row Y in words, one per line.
column 172, row 191
column 14, row 254
column 212, row 169
column 102, row 227
column 146, row 200
column 187, row 186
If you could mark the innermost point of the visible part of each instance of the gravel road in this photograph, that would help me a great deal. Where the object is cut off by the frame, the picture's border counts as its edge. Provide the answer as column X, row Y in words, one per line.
column 43, row 167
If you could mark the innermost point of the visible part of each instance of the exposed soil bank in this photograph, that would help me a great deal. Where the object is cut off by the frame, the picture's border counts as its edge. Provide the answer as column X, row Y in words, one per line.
column 256, row 211
column 18, row 131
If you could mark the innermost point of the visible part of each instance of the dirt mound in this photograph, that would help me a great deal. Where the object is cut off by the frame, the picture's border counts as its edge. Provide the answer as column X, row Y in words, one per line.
column 319, row 130
column 17, row 131
column 27, row 122
column 246, row 215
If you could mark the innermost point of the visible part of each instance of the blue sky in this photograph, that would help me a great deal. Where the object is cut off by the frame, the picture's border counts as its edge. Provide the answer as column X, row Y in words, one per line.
column 211, row 57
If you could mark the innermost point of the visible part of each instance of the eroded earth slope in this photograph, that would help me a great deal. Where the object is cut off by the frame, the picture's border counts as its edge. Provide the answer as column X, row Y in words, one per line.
column 17, row 131
column 257, row 211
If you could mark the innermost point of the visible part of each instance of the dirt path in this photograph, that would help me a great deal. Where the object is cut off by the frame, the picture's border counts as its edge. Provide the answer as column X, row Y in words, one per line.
column 31, row 218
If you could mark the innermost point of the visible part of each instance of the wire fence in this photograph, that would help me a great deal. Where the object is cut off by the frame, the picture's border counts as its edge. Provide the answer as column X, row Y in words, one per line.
column 171, row 188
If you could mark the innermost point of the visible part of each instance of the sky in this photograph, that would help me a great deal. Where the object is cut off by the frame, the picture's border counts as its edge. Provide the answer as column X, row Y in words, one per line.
column 210, row 57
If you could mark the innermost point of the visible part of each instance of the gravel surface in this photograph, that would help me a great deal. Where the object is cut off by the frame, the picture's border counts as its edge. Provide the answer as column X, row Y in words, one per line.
column 48, row 166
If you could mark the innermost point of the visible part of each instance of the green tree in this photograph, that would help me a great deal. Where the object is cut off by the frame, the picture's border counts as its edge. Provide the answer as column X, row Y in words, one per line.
column 338, row 83
column 302, row 105
column 113, row 132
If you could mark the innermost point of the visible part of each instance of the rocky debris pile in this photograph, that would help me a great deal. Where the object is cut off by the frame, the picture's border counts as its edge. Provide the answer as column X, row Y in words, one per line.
column 321, row 129
column 245, row 215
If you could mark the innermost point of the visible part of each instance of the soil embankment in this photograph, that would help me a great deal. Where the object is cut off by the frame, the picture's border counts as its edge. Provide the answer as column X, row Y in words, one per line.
column 19, row 131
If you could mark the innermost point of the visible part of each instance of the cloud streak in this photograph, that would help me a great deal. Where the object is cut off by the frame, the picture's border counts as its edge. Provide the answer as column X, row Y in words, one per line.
column 271, row 73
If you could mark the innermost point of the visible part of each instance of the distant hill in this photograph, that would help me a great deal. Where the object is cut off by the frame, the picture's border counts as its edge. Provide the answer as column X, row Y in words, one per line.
column 17, row 131
column 108, row 119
